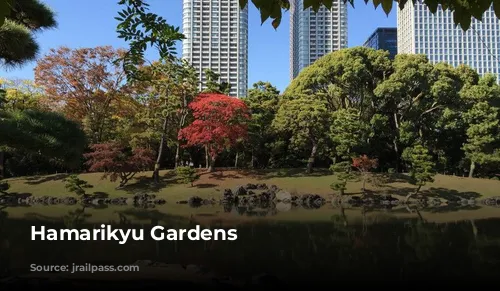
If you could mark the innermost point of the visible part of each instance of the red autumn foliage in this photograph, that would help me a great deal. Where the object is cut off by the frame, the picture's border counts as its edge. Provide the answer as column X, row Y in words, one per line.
column 117, row 161
column 219, row 123
column 85, row 83
column 364, row 163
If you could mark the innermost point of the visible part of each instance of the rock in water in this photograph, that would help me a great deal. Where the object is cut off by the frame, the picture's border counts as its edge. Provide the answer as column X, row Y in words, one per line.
column 240, row 191
column 195, row 201
column 250, row 186
column 228, row 193
column 283, row 207
column 160, row 201
column 283, row 196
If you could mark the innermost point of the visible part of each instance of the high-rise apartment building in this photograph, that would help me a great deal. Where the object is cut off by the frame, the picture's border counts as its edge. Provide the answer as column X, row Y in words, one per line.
column 313, row 35
column 216, row 34
column 384, row 38
column 421, row 32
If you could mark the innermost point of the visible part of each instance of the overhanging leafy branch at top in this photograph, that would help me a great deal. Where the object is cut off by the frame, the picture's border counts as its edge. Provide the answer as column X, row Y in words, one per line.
column 464, row 10
column 143, row 29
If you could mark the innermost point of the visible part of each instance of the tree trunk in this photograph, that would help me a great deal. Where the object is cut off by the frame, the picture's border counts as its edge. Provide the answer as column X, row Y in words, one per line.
column 211, row 168
column 472, row 168
column 207, row 158
column 310, row 163
column 474, row 228
column 364, row 184
column 178, row 155
column 395, row 142
column 236, row 161
column 2, row 164
column 419, row 215
column 342, row 214
column 411, row 194
column 408, row 198
column 181, row 125
column 252, row 160
column 156, row 172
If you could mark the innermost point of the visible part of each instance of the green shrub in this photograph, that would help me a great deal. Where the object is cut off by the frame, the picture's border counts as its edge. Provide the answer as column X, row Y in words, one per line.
column 391, row 171
column 343, row 174
column 187, row 175
column 77, row 185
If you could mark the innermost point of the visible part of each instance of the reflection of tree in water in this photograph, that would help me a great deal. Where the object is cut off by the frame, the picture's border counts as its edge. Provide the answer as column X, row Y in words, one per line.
column 486, row 237
column 4, row 246
column 377, row 246
column 155, row 216
column 423, row 239
column 76, row 218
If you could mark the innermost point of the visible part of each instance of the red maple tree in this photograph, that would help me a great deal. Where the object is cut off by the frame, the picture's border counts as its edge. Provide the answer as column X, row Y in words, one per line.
column 117, row 161
column 364, row 165
column 219, row 123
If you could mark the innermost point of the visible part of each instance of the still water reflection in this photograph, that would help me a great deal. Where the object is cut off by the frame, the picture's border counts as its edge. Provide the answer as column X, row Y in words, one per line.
column 292, row 245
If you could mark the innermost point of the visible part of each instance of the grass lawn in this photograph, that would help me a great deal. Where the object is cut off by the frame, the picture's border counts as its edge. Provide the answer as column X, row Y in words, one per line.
column 294, row 180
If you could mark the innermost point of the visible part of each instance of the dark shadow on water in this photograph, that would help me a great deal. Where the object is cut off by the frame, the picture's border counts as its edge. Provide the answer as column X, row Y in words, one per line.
column 206, row 214
column 286, row 252
column 154, row 216
column 35, row 180
column 38, row 216
column 451, row 208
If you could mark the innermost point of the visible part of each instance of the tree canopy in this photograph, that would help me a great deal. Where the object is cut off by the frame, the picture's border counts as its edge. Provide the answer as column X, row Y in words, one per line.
column 20, row 19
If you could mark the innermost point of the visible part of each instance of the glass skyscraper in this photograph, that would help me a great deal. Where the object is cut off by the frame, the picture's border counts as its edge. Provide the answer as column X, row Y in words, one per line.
column 384, row 38
column 313, row 35
column 216, row 34
column 421, row 32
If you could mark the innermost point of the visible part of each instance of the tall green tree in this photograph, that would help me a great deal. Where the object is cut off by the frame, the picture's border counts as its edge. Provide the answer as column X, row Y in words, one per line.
column 22, row 95
column 165, row 94
column 344, row 78
column 47, row 134
column 414, row 98
column 263, row 102
column 421, row 167
column 345, row 81
column 348, row 132
column 22, row 19
column 306, row 118
column 483, row 123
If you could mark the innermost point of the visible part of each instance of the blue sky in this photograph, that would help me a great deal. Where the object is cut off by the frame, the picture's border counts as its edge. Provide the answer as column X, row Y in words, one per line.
column 91, row 23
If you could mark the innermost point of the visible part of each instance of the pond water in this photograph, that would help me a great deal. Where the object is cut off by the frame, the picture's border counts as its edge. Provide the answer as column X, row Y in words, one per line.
column 290, row 245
